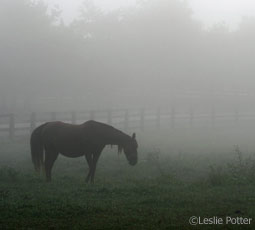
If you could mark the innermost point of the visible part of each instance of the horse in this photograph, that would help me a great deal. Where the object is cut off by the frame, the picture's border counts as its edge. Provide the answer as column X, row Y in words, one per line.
column 50, row 139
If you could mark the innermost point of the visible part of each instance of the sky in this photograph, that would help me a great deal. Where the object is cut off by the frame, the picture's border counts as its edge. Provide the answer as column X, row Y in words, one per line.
column 229, row 12
column 210, row 12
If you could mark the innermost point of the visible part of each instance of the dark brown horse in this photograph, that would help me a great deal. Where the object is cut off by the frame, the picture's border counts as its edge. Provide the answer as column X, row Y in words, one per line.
column 89, row 139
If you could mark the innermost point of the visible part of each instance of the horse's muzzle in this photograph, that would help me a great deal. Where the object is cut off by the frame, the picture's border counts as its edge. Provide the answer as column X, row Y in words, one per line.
column 133, row 162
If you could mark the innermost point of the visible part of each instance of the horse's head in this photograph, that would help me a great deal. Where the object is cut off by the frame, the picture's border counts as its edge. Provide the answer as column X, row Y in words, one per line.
column 130, row 150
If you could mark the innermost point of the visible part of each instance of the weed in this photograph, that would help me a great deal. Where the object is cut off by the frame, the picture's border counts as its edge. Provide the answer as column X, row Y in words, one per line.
column 216, row 176
column 153, row 157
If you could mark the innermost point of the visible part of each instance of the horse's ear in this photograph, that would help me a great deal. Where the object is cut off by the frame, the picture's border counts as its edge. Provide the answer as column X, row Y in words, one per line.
column 133, row 136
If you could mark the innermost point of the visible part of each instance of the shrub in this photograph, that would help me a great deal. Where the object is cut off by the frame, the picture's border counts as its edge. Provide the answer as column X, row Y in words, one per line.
column 8, row 174
column 216, row 176
column 242, row 169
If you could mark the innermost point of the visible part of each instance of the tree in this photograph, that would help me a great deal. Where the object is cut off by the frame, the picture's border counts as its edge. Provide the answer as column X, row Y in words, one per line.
column 40, row 58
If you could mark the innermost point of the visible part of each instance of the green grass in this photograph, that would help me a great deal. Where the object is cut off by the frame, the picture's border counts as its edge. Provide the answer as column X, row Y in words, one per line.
column 161, row 192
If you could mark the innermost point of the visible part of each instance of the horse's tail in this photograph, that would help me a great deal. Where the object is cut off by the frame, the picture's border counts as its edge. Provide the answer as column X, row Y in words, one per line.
column 37, row 148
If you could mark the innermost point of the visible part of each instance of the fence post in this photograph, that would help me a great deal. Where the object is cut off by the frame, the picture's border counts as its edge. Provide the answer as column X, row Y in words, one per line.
column 11, row 126
column 32, row 121
column 213, row 116
column 73, row 117
column 236, row 116
column 158, row 118
column 142, row 120
column 173, row 117
column 92, row 115
column 53, row 116
column 109, row 116
column 191, row 118
column 126, row 120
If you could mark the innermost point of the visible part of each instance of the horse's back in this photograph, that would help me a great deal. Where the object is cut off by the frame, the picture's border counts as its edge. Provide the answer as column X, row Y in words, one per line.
column 66, row 136
column 87, row 129
column 59, row 129
column 91, row 124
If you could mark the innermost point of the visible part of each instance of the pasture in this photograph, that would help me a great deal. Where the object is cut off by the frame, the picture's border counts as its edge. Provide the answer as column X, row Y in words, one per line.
column 165, row 188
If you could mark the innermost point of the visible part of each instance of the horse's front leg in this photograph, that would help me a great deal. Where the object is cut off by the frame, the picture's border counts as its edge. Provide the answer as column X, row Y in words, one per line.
column 89, row 160
column 96, row 155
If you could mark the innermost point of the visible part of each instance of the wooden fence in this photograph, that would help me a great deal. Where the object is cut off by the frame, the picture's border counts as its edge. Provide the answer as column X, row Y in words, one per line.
column 11, row 124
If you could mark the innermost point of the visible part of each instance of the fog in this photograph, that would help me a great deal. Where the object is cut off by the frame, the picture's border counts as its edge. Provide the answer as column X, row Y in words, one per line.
column 138, row 56
column 152, row 54
column 175, row 78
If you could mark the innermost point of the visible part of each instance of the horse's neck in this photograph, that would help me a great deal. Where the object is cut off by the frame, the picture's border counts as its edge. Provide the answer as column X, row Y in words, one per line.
column 117, row 137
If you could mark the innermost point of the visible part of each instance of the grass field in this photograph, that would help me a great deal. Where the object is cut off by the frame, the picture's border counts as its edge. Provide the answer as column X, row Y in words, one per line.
column 162, row 191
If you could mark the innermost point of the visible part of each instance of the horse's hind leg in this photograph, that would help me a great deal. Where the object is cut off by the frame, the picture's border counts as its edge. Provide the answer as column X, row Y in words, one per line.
column 50, row 157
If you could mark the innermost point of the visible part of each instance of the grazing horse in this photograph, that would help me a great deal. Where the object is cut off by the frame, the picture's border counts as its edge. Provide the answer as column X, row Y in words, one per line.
column 87, row 139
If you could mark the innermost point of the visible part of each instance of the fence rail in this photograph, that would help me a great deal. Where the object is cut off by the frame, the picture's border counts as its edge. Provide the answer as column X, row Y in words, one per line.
column 12, row 124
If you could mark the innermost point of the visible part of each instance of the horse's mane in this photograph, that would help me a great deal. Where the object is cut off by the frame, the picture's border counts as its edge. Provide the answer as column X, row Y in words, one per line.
column 110, row 128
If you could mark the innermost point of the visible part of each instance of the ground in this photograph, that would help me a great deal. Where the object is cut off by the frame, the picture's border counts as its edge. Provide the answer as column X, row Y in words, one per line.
column 162, row 191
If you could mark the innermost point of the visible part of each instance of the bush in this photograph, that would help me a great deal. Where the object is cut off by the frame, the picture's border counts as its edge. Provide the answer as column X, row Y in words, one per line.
column 242, row 169
column 8, row 174
column 216, row 176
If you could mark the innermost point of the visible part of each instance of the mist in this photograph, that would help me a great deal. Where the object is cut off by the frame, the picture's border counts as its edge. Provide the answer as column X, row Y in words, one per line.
column 125, row 58
column 149, row 55
column 163, row 69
